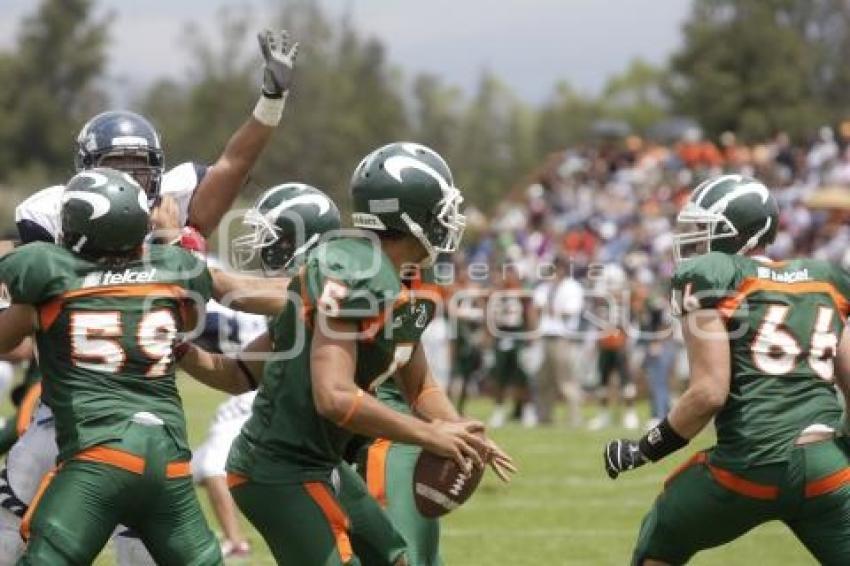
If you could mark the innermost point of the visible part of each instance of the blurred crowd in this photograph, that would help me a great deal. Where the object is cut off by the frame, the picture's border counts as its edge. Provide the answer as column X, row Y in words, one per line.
column 587, row 240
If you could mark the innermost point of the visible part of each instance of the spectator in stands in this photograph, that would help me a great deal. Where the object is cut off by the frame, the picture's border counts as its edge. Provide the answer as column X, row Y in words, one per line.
column 559, row 300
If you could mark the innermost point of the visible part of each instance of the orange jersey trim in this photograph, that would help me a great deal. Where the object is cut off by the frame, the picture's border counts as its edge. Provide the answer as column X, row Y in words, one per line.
column 49, row 311
column 828, row 484
column 335, row 516
column 27, row 409
column 26, row 522
column 235, row 480
column 306, row 304
column 751, row 285
column 376, row 470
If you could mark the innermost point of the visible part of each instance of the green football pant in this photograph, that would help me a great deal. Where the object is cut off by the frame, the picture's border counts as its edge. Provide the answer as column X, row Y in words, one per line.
column 309, row 523
column 508, row 369
column 78, row 507
column 388, row 470
column 704, row 505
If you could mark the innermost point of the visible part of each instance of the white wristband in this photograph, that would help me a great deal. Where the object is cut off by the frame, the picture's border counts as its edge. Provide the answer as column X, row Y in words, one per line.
column 268, row 111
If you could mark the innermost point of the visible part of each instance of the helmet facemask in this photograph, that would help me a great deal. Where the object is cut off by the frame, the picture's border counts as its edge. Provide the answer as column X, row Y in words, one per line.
column 140, row 162
column 709, row 228
column 265, row 242
column 445, row 227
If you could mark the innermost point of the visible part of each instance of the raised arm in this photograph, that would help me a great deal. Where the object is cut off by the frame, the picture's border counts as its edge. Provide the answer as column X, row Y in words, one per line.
column 222, row 182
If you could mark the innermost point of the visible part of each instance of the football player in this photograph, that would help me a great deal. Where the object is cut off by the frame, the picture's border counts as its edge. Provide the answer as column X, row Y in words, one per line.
column 767, row 343
column 283, row 216
column 513, row 318
column 356, row 324
column 199, row 196
column 106, row 313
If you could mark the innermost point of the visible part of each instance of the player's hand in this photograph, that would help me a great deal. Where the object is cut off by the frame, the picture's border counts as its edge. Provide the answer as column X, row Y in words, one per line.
column 622, row 455
column 165, row 219
column 499, row 461
column 462, row 441
column 279, row 62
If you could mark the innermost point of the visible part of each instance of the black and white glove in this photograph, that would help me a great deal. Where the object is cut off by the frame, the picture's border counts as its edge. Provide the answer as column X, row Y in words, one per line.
column 279, row 62
column 622, row 455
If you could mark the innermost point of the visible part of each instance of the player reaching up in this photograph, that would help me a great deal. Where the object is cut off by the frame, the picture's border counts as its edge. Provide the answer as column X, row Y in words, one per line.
column 190, row 196
column 106, row 313
column 767, row 343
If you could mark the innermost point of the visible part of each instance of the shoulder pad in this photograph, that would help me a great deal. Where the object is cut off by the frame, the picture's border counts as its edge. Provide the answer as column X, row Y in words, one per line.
column 41, row 211
column 702, row 282
column 350, row 276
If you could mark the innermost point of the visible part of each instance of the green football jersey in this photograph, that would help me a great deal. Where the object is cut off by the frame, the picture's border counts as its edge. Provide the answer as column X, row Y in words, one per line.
column 105, row 337
column 783, row 320
column 286, row 439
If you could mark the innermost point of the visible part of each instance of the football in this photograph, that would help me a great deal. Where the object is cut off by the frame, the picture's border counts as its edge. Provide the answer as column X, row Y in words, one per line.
column 440, row 485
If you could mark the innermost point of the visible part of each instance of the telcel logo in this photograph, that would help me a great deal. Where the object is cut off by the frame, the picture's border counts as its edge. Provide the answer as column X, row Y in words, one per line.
column 119, row 277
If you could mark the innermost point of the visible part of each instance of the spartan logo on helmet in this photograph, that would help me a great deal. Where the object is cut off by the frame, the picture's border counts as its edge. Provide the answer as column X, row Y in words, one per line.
column 731, row 214
column 408, row 188
column 284, row 224
column 104, row 213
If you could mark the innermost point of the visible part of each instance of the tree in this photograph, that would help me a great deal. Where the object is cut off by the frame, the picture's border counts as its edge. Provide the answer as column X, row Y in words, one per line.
column 745, row 68
column 51, row 89
column 496, row 142
column 345, row 102
column 636, row 95
column 566, row 119
column 436, row 112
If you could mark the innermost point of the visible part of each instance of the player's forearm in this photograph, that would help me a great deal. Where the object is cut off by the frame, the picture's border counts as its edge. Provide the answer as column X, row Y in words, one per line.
column 258, row 295
column 223, row 181
column 214, row 370
column 432, row 403
column 694, row 410
column 362, row 414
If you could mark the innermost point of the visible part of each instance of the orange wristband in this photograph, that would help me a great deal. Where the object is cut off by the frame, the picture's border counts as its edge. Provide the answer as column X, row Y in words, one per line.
column 358, row 398
column 424, row 392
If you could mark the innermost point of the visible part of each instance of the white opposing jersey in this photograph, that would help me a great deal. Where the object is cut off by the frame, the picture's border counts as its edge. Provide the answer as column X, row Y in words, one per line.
column 39, row 217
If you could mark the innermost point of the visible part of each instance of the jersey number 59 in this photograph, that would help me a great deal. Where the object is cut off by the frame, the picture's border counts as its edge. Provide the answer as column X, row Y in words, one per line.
column 96, row 340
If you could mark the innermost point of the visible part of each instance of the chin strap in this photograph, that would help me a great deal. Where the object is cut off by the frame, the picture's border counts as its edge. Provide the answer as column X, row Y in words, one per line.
column 419, row 233
column 754, row 241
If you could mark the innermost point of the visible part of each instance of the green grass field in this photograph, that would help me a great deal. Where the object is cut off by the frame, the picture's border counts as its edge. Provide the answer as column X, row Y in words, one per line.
column 561, row 509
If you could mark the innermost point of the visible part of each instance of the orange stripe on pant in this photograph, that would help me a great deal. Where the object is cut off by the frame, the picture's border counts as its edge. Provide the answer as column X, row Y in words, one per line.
column 130, row 462
column 727, row 479
column 42, row 487
column 335, row 515
column 235, row 480
column 828, row 484
column 27, row 409
column 376, row 470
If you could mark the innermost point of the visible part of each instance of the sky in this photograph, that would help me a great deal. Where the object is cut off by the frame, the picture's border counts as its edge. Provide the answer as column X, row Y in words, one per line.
column 530, row 44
